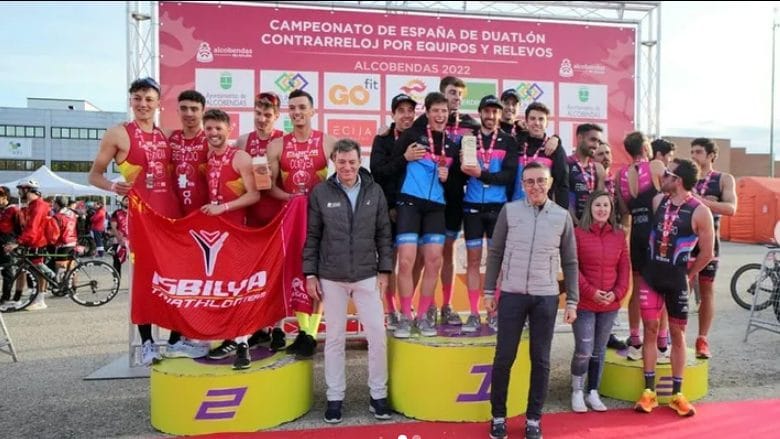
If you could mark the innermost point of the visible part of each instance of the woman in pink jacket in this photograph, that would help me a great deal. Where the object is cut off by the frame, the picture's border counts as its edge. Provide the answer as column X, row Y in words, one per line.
column 604, row 270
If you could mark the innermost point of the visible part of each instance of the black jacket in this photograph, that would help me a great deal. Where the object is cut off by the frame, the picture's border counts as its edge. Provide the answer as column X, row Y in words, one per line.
column 343, row 246
column 386, row 168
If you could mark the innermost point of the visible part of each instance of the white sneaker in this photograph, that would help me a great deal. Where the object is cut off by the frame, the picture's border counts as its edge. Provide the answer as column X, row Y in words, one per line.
column 149, row 354
column 594, row 401
column 664, row 357
column 634, row 353
column 182, row 349
column 36, row 306
column 11, row 304
column 578, row 402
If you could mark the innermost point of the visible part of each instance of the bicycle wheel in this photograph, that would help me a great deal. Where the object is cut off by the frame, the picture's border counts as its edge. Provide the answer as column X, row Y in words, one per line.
column 744, row 286
column 25, row 289
column 93, row 283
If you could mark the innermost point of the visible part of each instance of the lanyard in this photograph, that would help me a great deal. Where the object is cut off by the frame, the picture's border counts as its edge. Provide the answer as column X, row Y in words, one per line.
column 215, row 173
column 441, row 160
column 669, row 219
column 486, row 155
column 524, row 160
column 701, row 185
column 588, row 174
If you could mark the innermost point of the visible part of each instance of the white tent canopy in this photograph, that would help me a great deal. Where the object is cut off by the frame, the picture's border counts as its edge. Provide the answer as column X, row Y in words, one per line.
column 52, row 184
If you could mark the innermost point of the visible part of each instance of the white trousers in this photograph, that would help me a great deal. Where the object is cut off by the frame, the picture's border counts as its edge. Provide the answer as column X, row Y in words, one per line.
column 335, row 298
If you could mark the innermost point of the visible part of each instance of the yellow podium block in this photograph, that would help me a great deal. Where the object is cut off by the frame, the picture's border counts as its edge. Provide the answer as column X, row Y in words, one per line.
column 191, row 397
column 624, row 379
column 448, row 378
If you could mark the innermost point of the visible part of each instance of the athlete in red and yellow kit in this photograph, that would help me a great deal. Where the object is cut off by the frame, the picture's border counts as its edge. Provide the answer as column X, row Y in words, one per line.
column 188, row 149
column 143, row 157
column 256, row 144
column 301, row 159
column 231, row 190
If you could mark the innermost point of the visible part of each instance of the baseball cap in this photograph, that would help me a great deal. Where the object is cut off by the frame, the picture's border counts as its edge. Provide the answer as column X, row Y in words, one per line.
column 490, row 101
column 510, row 93
column 399, row 99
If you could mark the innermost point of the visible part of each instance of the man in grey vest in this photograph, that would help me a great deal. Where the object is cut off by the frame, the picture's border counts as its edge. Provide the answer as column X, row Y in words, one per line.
column 531, row 240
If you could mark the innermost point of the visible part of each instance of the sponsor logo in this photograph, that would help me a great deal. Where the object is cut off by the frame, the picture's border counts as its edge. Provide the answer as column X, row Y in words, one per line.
column 362, row 131
column 226, row 88
column 583, row 94
column 206, row 53
column 475, row 91
column 566, row 71
column 358, row 95
column 210, row 244
column 225, row 81
column 529, row 92
column 414, row 87
column 288, row 81
column 199, row 288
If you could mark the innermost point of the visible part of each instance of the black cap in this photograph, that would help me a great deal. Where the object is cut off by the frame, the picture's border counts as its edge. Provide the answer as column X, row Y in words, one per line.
column 490, row 101
column 510, row 93
column 399, row 99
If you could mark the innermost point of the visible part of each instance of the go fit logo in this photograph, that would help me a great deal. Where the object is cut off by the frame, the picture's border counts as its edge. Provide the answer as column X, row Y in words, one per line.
column 349, row 91
column 356, row 95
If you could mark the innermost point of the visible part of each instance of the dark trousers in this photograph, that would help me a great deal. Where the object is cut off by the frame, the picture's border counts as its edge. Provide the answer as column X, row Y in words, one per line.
column 541, row 312
column 6, row 271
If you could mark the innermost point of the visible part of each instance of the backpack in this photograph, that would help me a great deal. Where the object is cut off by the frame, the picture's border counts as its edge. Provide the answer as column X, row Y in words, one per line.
column 52, row 230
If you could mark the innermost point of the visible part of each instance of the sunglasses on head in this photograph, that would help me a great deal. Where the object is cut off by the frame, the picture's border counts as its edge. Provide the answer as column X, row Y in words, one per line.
column 149, row 82
column 668, row 173
column 270, row 97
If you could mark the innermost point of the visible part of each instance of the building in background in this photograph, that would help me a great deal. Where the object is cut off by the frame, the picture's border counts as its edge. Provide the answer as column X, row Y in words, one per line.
column 63, row 134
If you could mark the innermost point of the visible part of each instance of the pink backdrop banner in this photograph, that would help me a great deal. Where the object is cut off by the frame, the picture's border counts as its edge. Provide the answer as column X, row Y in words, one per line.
column 354, row 62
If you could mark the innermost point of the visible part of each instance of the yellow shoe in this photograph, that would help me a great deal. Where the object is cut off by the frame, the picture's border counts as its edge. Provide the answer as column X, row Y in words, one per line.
column 647, row 402
column 681, row 405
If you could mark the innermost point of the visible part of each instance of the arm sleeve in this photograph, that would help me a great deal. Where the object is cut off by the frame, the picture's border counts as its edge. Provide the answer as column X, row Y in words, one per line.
column 496, row 252
column 560, row 174
column 623, row 271
column 311, row 249
column 569, row 263
column 384, row 164
column 383, row 234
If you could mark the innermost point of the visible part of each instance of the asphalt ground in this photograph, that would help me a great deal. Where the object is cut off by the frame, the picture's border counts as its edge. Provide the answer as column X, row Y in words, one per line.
column 44, row 395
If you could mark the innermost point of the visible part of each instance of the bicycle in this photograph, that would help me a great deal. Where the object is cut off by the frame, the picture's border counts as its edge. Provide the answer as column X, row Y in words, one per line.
column 747, row 281
column 88, row 283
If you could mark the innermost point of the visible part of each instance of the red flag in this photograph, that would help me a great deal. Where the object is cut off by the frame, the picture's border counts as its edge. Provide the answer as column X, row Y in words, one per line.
column 210, row 279
column 294, row 232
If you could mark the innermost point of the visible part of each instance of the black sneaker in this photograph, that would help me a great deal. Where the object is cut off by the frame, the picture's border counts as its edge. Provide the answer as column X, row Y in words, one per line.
column 277, row 339
column 308, row 347
column 533, row 432
column 258, row 337
column 333, row 412
column 297, row 343
column 226, row 349
column 380, row 408
column 497, row 429
column 243, row 360
column 615, row 343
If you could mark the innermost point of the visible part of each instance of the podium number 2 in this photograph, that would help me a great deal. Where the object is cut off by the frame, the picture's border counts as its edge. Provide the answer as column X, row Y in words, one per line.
column 215, row 406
